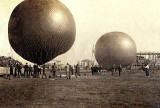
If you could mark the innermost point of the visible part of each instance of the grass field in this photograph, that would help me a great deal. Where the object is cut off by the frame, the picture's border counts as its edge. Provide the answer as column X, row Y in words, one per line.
column 131, row 90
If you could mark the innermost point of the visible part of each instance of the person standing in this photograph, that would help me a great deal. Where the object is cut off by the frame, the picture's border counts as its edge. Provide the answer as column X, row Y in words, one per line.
column 92, row 69
column 35, row 70
column 30, row 70
column 39, row 71
column 16, row 69
column 26, row 70
column 11, row 71
column 113, row 69
column 100, row 69
column 120, row 69
column 44, row 72
column 19, row 70
column 71, row 69
column 75, row 72
column 147, row 70
column 54, row 70
column 78, row 69
column 67, row 67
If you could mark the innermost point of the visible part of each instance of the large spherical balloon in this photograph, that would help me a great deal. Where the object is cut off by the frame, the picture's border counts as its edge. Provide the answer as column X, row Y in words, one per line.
column 40, row 30
column 115, row 48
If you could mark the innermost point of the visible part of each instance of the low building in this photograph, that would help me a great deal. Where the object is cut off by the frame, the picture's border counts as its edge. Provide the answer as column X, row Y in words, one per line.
column 86, row 64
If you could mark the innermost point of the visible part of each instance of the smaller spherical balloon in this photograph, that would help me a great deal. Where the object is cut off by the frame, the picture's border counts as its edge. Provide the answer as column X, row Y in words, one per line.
column 115, row 48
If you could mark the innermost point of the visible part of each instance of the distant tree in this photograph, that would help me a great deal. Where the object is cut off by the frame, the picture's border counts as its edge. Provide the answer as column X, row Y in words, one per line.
column 6, row 61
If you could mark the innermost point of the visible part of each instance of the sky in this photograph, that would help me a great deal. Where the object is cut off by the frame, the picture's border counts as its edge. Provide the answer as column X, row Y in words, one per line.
column 140, row 19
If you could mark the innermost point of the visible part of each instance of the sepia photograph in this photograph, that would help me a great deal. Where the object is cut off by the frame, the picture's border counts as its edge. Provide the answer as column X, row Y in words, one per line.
column 79, row 54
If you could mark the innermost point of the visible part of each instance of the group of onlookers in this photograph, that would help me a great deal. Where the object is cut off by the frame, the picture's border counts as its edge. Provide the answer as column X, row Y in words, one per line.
column 114, row 68
column 36, row 71
column 145, row 68
column 70, row 70
column 28, row 70
column 96, row 69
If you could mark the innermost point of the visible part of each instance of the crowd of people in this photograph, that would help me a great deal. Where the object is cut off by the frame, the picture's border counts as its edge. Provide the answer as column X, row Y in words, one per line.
column 70, row 70
column 37, row 71
column 145, row 68
column 114, row 68
column 96, row 69
column 29, row 71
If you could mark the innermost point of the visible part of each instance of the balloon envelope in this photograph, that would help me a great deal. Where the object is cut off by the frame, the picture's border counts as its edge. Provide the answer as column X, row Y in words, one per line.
column 40, row 30
column 115, row 48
